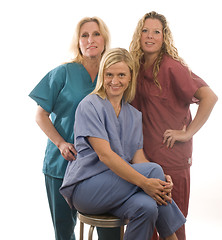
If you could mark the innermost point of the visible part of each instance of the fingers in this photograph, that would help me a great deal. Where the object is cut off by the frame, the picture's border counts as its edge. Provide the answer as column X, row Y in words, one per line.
column 171, row 136
column 161, row 199
column 68, row 155
column 169, row 141
column 159, row 190
column 184, row 128
column 68, row 152
column 168, row 138
column 169, row 181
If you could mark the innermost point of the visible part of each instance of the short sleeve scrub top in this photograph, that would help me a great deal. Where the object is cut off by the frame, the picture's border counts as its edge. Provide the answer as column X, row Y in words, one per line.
column 124, row 133
column 59, row 93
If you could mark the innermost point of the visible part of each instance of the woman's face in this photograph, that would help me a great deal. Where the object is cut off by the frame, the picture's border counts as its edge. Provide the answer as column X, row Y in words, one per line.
column 152, row 37
column 116, row 80
column 91, row 42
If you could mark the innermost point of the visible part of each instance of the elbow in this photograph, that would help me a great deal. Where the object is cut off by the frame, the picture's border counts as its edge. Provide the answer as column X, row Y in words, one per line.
column 41, row 115
column 210, row 96
column 37, row 119
column 215, row 98
column 105, row 157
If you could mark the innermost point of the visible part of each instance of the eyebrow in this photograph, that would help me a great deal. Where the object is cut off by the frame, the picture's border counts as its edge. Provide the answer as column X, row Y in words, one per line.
column 153, row 28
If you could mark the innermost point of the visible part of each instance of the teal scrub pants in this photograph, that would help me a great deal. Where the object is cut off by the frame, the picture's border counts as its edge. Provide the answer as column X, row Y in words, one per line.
column 64, row 218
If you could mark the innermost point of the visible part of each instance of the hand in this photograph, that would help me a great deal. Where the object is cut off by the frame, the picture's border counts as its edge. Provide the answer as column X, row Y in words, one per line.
column 171, row 136
column 68, row 151
column 170, row 186
column 158, row 190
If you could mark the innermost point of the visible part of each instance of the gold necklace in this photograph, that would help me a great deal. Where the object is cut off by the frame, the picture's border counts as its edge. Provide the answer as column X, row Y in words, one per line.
column 117, row 111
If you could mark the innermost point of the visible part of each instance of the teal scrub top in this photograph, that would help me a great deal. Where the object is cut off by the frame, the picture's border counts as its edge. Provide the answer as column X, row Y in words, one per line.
column 59, row 93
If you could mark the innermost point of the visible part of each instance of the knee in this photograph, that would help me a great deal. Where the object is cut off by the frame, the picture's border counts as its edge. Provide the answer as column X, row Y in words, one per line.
column 147, row 210
column 157, row 172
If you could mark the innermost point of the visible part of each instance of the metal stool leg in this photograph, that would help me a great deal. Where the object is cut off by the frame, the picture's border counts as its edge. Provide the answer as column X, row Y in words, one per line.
column 121, row 232
column 103, row 220
column 81, row 231
column 91, row 232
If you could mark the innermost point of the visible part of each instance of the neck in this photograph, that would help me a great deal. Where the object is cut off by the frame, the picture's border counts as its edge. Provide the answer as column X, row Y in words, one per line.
column 92, row 66
column 91, row 61
column 116, row 103
column 150, row 59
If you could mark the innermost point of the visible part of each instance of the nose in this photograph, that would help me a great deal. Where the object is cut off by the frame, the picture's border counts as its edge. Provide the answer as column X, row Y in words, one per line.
column 149, row 35
column 90, row 39
column 115, row 80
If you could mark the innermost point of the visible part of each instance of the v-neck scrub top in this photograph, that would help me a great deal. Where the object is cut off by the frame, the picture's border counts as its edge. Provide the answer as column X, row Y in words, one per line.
column 59, row 93
column 168, row 108
column 96, row 117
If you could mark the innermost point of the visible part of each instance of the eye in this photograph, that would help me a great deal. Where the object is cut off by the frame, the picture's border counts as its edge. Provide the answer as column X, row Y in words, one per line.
column 84, row 35
column 108, row 74
column 121, row 75
column 144, row 30
column 97, row 34
column 157, row 31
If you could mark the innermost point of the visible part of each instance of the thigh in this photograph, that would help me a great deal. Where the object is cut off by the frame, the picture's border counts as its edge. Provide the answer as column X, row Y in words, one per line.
column 105, row 191
column 134, row 204
column 102, row 192
column 150, row 170
column 59, row 208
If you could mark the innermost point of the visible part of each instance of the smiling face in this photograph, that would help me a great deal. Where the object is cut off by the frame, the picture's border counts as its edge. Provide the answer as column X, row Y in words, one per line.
column 91, row 42
column 152, row 37
column 116, row 80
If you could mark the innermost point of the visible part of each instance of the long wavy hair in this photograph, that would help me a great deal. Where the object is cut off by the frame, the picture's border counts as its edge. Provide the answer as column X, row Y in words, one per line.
column 167, row 46
column 74, row 46
column 111, row 57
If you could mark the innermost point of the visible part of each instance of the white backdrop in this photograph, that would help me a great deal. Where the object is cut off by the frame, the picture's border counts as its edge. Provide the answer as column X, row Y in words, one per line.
column 35, row 36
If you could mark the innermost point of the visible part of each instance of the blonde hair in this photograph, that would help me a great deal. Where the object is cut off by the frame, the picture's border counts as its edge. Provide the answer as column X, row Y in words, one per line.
column 111, row 57
column 74, row 47
column 167, row 46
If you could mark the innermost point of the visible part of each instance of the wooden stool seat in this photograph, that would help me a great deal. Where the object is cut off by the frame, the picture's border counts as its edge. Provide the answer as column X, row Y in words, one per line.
column 104, row 220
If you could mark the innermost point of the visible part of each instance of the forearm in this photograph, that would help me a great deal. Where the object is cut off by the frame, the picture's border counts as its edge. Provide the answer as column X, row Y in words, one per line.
column 122, row 168
column 206, row 105
column 44, row 122
column 155, row 188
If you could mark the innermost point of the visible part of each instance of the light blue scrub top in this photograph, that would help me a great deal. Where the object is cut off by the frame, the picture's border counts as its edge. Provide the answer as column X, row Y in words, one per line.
column 59, row 93
column 96, row 117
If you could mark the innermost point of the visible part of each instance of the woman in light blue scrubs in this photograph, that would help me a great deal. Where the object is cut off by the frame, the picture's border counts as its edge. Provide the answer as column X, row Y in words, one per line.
column 58, row 95
column 111, row 173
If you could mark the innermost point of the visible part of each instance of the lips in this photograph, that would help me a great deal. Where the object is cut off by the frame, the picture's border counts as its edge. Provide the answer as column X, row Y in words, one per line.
column 115, row 87
column 91, row 47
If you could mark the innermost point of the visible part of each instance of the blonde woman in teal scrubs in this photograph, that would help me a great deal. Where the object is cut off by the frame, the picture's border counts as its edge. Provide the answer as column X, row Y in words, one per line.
column 57, row 96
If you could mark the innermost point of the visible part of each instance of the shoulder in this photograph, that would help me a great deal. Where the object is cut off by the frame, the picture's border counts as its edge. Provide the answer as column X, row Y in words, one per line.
column 171, row 63
column 59, row 69
column 91, row 99
column 173, row 68
column 90, row 103
column 63, row 68
column 133, row 111
column 56, row 74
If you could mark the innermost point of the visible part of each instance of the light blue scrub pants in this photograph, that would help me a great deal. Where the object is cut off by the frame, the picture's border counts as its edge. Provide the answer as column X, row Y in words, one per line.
column 107, row 192
column 64, row 218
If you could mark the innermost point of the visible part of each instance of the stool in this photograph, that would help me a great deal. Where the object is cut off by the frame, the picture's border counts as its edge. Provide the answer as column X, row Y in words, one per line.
column 104, row 220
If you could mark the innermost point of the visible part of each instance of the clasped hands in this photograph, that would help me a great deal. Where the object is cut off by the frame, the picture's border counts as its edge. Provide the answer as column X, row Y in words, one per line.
column 159, row 190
